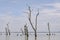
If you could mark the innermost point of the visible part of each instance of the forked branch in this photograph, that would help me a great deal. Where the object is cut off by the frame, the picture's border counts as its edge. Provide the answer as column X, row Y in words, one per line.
column 30, row 18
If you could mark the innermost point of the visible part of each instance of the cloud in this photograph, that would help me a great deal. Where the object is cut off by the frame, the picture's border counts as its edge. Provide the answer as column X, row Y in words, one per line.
column 46, row 15
column 14, row 22
column 56, row 5
column 53, row 11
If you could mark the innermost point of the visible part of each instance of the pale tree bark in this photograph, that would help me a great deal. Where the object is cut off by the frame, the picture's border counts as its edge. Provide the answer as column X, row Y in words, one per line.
column 49, row 31
column 8, row 29
column 26, row 32
column 36, row 26
column 7, row 32
column 35, row 29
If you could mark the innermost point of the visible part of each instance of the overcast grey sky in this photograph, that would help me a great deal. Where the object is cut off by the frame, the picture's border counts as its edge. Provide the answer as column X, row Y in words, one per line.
column 13, row 11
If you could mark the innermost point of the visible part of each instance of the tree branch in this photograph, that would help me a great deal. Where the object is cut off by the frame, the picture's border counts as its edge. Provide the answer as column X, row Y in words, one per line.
column 30, row 18
column 31, row 24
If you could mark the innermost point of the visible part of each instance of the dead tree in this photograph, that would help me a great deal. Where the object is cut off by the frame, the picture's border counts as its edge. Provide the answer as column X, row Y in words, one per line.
column 33, row 27
column 22, row 32
column 49, row 31
column 8, row 30
column 26, row 32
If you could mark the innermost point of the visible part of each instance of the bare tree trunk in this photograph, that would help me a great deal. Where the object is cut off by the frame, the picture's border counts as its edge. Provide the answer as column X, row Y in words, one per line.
column 49, row 32
column 26, row 32
column 36, row 26
column 35, row 35
column 35, row 29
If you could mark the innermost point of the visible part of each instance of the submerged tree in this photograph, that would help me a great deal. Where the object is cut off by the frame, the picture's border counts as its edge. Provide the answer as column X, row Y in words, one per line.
column 7, row 30
column 49, row 30
column 33, row 27
column 22, row 32
column 26, row 32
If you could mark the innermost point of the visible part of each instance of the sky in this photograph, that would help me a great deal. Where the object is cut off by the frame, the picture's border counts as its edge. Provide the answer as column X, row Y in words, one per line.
column 14, row 12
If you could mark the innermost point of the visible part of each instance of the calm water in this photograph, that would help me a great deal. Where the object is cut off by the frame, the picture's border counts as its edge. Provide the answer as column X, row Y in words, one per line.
column 41, row 36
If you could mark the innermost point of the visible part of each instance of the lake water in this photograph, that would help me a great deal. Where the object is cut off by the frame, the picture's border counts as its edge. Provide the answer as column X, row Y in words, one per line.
column 40, row 36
